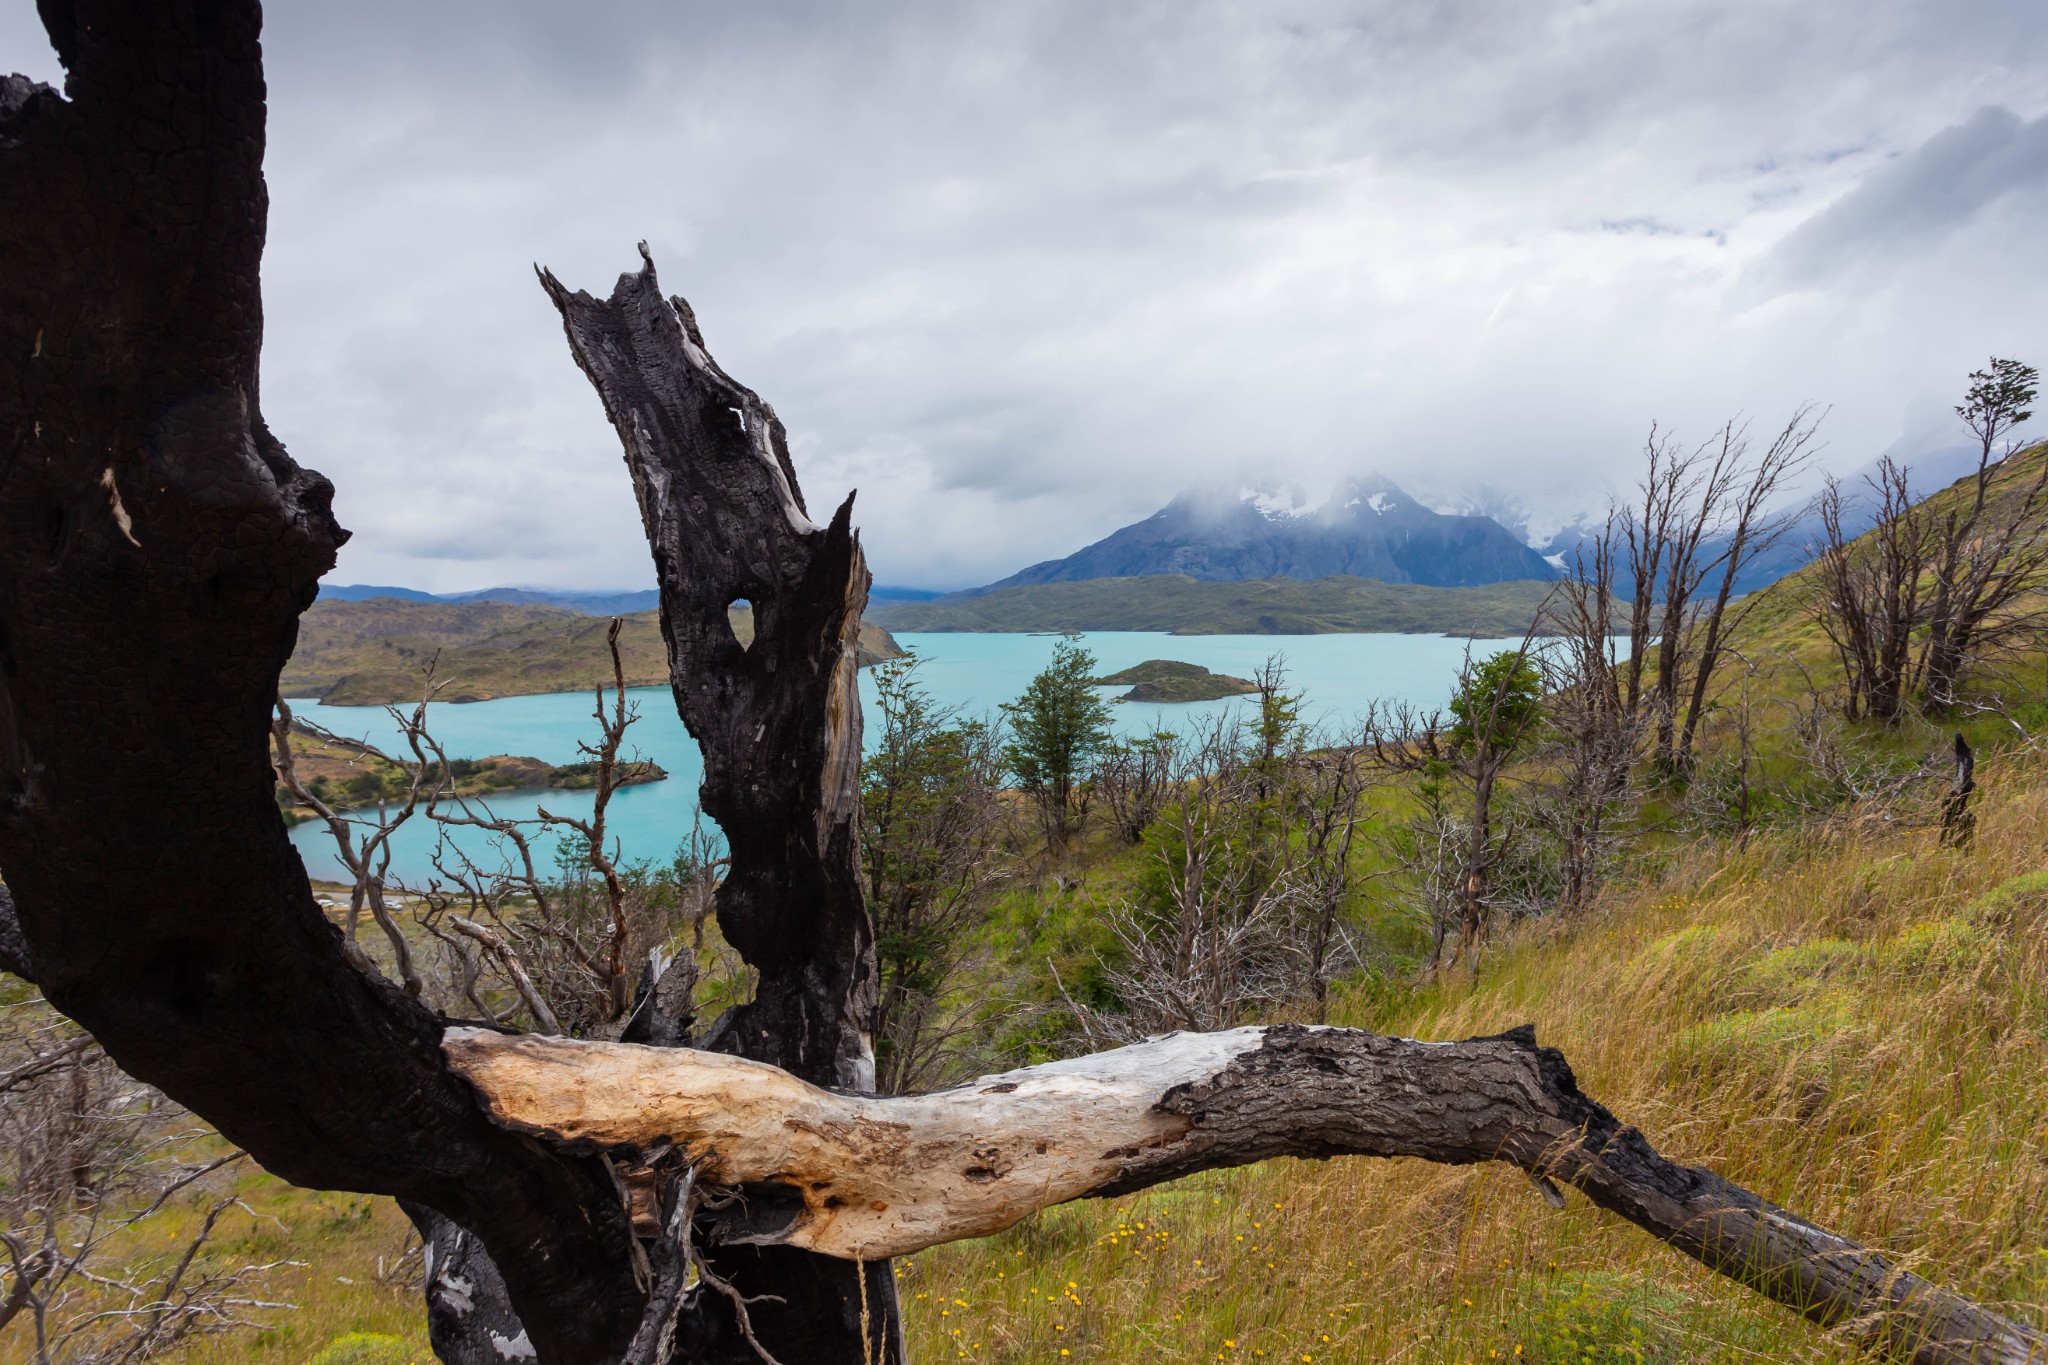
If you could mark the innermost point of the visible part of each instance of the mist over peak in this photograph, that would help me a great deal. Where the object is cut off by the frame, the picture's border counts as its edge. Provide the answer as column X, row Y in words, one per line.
column 1364, row 525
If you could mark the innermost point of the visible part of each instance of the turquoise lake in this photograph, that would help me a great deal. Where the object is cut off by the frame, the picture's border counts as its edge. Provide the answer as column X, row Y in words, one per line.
column 1337, row 675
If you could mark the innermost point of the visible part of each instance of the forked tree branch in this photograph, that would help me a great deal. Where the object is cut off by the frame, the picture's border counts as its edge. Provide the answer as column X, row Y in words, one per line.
column 864, row 1177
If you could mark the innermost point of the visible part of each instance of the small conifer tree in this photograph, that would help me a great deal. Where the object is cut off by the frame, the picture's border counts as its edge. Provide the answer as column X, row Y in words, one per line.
column 1058, row 728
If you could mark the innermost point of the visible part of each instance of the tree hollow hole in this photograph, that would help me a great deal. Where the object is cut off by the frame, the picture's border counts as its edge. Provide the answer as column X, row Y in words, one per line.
column 739, row 618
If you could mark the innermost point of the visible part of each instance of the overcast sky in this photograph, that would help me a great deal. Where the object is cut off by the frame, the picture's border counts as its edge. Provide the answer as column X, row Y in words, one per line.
column 1018, row 270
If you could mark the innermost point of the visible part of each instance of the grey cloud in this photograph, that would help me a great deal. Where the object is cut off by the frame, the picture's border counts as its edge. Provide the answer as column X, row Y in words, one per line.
column 1019, row 271
column 1916, row 199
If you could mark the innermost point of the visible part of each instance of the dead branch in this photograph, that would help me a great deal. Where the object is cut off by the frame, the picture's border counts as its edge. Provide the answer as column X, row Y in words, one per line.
column 494, row 943
column 861, row 1177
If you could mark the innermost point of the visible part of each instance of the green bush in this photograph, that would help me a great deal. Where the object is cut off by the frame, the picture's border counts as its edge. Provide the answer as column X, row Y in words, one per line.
column 1791, row 975
column 1595, row 1320
column 1690, row 944
column 368, row 1348
column 1939, row 946
column 1801, row 1043
column 2014, row 901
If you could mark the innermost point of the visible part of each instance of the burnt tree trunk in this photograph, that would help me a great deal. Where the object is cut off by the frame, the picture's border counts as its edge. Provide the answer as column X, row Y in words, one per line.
column 157, row 545
column 1958, row 824
column 779, row 725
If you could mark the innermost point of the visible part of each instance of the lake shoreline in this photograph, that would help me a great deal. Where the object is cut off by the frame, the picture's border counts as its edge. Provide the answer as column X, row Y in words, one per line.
column 970, row 674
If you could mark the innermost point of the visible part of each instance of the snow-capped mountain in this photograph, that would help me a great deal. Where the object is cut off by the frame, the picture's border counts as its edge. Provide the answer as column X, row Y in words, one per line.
column 1366, row 526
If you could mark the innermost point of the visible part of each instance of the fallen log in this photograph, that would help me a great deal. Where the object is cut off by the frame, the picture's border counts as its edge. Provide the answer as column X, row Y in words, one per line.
column 860, row 1176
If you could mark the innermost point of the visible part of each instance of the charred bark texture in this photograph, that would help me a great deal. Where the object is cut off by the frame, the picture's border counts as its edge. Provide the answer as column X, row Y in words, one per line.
column 1958, row 824
column 157, row 545
column 470, row 1320
column 857, row 1175
column 778, row 722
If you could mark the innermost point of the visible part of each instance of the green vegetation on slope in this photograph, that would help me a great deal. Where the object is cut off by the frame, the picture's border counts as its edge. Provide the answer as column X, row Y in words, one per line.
column 373, row 653
column 1832, row 1010
column 1856, row 1027
column 1781, row 637
column 1268, row 606
column 1169, row 680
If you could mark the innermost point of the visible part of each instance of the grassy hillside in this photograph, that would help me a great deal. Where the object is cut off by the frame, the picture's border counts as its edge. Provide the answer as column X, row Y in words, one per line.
column 1836, row 1013
column 1779, row 633
column 1268, row 606
column 1858, row 1029
column 370, row 653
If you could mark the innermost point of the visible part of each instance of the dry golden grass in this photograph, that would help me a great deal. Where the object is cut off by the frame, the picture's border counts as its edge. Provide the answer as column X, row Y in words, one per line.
column 1858, row 1030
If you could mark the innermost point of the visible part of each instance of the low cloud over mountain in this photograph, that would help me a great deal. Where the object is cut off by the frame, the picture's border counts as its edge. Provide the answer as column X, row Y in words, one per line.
column 1367, row 527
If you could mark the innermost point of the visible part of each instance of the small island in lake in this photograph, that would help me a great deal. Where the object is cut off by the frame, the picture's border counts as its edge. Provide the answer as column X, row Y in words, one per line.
column 1169, row 680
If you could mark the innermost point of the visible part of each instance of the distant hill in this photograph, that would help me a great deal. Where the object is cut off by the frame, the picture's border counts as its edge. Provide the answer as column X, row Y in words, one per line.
column 584, row 603
column 1272, row 606
column 364, row 592
column 1366, row 528
column 372, row 652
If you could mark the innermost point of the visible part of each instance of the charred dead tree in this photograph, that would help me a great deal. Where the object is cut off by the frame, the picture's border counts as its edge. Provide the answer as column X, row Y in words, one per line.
column 1120, row 1121
column 1869, row 601
column 1596, row 739
column 1989, row 555
column 588, row 1203
column 1700, row 519
column 778, row 722
column 1748, row 529
column 157, row 545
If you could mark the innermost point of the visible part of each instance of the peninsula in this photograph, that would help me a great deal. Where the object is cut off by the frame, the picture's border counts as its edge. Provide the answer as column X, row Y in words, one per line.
column 375, row 652
column 1180, row 605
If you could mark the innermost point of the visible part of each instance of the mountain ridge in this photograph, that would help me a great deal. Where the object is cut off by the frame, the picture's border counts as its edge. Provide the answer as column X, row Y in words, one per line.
column 1366, row 527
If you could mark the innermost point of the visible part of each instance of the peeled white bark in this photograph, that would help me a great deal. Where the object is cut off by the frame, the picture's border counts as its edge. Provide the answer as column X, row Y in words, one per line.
column 870, row 1177
column 878, row 1177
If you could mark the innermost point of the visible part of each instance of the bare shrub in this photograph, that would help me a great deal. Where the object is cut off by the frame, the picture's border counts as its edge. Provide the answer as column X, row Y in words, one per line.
column 91, row 1163
column 1459, row 760
column 1134, row 779
column 1251, row 876
column 1869, row 605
